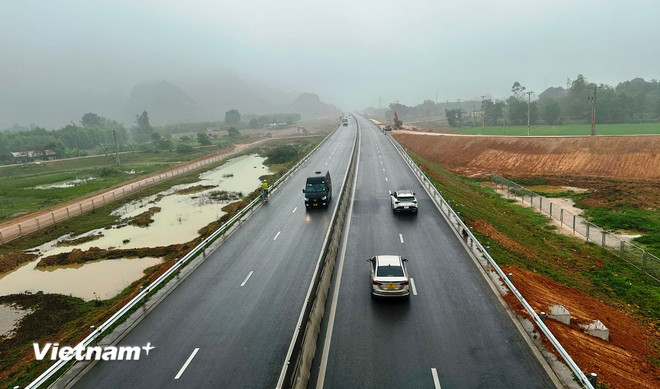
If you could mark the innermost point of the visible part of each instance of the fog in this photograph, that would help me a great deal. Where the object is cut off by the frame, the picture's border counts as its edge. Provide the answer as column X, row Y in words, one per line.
column 62, row 59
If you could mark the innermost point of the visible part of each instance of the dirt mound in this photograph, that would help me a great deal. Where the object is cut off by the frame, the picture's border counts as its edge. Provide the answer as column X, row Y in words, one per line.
column 628, row 157
column 623, row 362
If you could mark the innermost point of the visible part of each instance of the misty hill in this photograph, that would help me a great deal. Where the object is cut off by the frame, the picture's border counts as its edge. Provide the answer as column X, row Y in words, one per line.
column 165, row 102
column 226, row 90
column 309, row 105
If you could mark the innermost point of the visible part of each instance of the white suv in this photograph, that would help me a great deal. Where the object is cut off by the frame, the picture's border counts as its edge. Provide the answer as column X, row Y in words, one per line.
column 403, row 201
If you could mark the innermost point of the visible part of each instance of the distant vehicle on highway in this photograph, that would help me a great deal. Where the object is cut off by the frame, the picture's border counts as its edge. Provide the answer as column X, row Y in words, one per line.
column 389, row 276
column 318, row 190
column 403, row 201
column 344, row 122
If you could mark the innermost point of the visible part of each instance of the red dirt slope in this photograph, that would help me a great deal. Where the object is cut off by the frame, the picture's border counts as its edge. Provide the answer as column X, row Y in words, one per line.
column 622, row 157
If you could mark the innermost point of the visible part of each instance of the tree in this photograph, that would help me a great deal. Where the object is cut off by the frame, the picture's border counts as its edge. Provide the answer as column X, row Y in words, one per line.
column 232, row 131
column 142, row 129
column 203, row 139
column 233, row 118
column 550, row 111
column 576, row 104
column 454, row 117
column 254, row 123
column 517, row 90
column 91, row 120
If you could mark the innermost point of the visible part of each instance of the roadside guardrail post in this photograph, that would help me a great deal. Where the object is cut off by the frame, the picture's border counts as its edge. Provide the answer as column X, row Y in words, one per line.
column 602, row 238
column 92, row 329
column 587, row 231
column 561, row 217
column 593, row 379
column 574, row 224
column 622, row 248
column 645, row 257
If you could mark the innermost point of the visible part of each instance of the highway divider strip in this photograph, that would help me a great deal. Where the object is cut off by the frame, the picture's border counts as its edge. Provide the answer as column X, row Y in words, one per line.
column 297, row 366
column 459, row 226
column 229, row 227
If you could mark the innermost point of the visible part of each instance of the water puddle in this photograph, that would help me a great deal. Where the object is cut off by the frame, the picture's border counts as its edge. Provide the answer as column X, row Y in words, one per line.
column 93, row 280
column 9, row 317
column 177, row 215
column 66, row 184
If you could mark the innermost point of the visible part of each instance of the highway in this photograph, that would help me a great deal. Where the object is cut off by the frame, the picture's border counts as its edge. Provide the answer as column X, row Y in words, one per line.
column 451, row 333
column 230, row 323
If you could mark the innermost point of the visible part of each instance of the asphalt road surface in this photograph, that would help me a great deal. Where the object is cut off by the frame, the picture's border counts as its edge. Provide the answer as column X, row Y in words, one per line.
column 451, row 333
column 230, row 323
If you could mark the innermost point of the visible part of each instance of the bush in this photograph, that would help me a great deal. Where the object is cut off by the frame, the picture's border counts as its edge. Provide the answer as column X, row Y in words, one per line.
column 281, row 154
column 184, row 148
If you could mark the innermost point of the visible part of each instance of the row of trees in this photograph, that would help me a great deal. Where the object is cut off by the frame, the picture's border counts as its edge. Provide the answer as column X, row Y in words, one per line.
column 98, row 133
column 631, row 101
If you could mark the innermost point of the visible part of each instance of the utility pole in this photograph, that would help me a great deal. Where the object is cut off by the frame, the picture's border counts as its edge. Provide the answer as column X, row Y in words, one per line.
column 529, row 98
column 483, row 115
column 593, row 111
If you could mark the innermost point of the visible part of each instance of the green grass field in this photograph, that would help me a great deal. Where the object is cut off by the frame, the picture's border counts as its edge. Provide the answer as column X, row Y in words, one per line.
column 564, row 130
column 18, row 186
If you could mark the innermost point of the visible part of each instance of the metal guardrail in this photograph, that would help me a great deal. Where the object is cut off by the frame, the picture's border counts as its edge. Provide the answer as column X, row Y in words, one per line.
column 292, row 364
column 455, row 222
column 140, row 298
column 636, row 256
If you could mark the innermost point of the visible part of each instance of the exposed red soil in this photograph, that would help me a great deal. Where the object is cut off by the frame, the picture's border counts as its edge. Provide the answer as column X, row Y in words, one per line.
column 627, row 157
column 621, row 362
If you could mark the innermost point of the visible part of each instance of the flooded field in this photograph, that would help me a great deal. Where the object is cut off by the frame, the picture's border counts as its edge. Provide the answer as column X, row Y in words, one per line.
column 182, row 211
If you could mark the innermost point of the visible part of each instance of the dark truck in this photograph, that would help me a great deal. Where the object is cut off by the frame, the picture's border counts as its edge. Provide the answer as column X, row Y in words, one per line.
column 318, row 190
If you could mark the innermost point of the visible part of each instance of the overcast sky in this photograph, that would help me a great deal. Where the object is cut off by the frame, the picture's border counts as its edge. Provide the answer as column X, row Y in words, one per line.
column 350, row 52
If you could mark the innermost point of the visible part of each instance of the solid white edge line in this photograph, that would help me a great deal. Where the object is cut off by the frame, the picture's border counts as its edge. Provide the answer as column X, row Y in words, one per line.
column 386, row 180
column 335, row 296
column 276, row 235
column 248, row 277
column 412, row 283
column 436, row 381
column 185, row 365
column 401, row 238
column 294, row 210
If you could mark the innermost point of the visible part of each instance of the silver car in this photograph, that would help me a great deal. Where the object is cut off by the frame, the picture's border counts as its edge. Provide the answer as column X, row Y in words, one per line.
column 389, row 276
column 403, row 201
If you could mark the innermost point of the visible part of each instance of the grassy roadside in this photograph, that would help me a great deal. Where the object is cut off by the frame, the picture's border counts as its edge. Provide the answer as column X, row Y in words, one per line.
column 521, row 237
column 69, row 317
column 624, row 215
